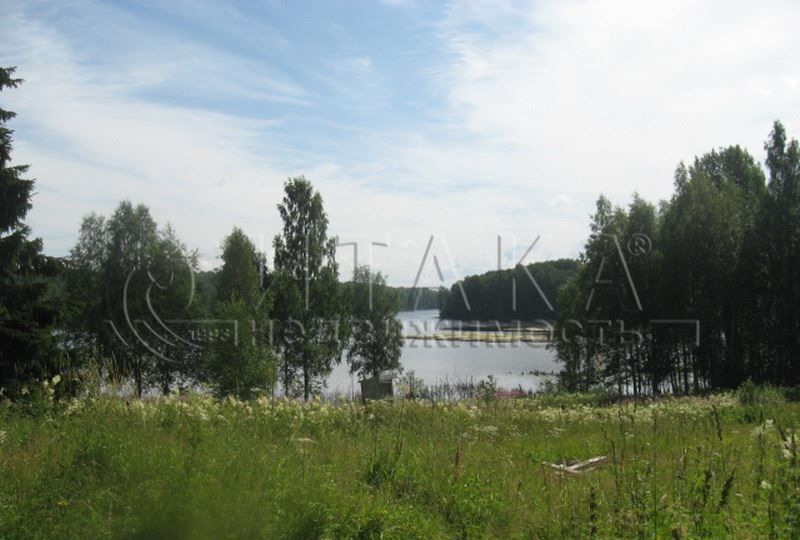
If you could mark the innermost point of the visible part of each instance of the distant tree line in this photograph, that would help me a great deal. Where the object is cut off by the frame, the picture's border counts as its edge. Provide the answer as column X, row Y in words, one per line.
column 130, row 304
column 414, row 298
column 522, row 293
column 700, row 292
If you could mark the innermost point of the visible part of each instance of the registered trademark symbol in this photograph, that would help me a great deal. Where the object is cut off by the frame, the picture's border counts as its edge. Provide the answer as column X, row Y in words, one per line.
column 639, row 244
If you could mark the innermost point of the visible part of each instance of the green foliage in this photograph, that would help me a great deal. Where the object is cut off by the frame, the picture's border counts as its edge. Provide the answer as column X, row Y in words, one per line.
column 239, row 360
column 376, row 339
column 411, row 387
column 242, row 274
column 751, row 394
column 310, row 316
column 507, row 295
column 28, row 307
column 126, row 281
column 195, row 467
column 718, row 255
column 774, row 251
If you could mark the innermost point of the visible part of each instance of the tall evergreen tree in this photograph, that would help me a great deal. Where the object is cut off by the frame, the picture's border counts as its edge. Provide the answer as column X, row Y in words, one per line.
column 26, row 315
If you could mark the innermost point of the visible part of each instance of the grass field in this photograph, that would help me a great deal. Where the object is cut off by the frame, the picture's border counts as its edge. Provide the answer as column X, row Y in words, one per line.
column 722, row 466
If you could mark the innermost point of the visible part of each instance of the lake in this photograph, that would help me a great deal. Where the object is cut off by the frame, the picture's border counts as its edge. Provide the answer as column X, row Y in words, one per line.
column 451, row 361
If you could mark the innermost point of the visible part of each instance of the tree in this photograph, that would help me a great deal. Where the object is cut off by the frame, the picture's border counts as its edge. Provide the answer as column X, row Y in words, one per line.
column 704, row 230
column 310, row 315
column 694, row 268
column 599, row 291
column 241, row 362
column 508, row 295
column 175, row 357
column 242, row 274
column 130, row 282
column 377, row 335
column 27, row 312
column 776, row 265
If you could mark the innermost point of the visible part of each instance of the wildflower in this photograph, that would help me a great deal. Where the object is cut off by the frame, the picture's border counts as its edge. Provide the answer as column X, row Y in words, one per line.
column 766, row 485
column 56, row 379
column 764, row 428
column 789, row 447
column 74, row 406
column 491, row 430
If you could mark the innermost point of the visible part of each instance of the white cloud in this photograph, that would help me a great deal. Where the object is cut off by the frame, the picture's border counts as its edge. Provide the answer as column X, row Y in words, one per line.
column 545, row 105
column 92, row 143
column 610, row 96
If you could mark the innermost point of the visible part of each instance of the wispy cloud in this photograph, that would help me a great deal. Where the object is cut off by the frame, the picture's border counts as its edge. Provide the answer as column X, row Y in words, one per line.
column 599, row 96
column 93, row 140
column 504, row 120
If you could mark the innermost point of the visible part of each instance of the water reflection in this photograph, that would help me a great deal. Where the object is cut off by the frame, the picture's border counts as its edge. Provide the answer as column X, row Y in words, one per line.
column 513, row 365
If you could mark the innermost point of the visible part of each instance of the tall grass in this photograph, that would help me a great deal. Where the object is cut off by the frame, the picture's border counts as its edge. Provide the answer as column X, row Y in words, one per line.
column 194, row 467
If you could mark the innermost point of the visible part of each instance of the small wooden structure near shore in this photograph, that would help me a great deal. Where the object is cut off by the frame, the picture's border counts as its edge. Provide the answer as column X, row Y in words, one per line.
column 379, row 386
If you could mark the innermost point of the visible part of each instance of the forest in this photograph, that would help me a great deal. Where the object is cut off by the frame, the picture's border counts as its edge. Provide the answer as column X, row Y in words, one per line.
column 524, row 293
column 698, row 292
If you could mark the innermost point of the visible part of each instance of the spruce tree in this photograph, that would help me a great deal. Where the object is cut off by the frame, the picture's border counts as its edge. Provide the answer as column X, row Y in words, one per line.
column 26, row 318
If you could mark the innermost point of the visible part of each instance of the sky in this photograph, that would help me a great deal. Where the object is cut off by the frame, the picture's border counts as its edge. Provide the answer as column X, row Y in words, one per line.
column 444, row 124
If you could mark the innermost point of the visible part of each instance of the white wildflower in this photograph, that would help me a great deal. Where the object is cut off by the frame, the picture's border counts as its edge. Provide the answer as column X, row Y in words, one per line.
column 767, row 427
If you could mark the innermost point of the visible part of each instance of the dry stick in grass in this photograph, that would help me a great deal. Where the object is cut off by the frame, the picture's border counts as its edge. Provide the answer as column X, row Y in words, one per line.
column 579, row 467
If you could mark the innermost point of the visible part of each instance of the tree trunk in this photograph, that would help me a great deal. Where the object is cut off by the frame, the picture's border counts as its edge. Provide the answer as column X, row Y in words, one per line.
column 306, row 381
column 137, row 375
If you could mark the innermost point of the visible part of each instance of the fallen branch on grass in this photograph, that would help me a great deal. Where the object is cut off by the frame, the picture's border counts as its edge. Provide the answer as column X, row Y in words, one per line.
column 578, row 467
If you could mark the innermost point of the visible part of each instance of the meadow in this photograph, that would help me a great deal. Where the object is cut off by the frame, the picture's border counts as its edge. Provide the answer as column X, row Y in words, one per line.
column 724, row 465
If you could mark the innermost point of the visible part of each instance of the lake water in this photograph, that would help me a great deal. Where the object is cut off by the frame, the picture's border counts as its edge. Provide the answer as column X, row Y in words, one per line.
column 450, row 361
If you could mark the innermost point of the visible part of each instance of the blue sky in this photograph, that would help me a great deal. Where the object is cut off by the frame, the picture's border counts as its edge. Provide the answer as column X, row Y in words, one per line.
column 456, row 120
